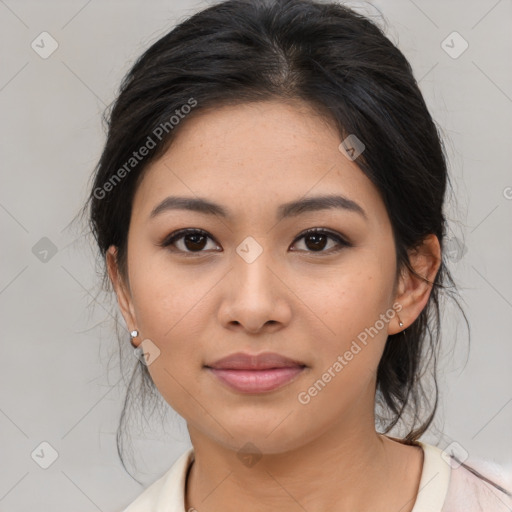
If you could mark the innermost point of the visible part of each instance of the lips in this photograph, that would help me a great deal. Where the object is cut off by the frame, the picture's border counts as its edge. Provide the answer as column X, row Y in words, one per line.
column 265, row 361
column 260, row 373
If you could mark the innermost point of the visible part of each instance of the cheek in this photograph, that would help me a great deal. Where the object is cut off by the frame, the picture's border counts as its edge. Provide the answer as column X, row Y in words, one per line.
column 347, row 357
column 170, row 307
column 349, row 302
column 352, row 326
column 168, row 312
column 166, row 296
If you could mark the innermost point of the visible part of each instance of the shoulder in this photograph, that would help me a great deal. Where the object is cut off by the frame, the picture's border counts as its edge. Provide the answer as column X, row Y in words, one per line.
column 479, row 485
column 166, row 493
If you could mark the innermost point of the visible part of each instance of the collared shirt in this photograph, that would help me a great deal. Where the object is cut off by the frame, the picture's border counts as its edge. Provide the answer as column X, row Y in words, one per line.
column 445, row 486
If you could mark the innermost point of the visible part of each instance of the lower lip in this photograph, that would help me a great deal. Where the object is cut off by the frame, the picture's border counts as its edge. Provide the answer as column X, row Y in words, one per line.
column 257, row 381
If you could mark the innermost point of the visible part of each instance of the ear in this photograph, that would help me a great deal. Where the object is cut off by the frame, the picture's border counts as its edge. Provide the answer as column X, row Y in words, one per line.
column 413, row 291
column 121, row 288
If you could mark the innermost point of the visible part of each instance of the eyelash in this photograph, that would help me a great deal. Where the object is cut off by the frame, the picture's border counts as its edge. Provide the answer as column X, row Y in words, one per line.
column 177, row 235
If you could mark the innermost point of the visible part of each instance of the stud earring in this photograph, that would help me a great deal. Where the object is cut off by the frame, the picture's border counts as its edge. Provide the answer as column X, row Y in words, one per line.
column 401, row 324
column 133, row 334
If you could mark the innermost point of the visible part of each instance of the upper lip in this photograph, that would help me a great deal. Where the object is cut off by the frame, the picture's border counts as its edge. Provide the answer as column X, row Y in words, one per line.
column 244, row 361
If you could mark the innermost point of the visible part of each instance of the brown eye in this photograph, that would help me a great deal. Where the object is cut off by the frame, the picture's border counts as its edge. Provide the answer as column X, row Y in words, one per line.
column 188, row 241
column 194, row 242
column 317, row 240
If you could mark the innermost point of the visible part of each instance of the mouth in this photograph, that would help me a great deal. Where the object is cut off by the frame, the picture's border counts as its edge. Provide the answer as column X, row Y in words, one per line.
column 257, row 381
column 261, row 373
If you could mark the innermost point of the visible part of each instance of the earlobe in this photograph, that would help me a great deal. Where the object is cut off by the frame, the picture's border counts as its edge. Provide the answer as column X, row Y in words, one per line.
column 120, row 288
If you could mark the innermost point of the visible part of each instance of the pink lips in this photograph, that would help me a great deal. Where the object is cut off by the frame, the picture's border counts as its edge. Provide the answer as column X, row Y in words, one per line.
column 256, row 373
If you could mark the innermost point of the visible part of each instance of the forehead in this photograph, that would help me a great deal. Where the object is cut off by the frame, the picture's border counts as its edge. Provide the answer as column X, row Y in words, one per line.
column 252, row 157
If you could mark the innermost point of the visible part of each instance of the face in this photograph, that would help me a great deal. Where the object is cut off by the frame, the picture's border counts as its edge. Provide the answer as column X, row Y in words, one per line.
column 254, row 281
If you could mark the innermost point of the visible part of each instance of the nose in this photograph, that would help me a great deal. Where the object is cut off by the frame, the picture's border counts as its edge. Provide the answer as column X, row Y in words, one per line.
column 254, row 297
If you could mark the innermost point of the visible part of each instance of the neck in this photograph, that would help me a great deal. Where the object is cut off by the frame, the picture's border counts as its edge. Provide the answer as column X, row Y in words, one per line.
column 357, row 470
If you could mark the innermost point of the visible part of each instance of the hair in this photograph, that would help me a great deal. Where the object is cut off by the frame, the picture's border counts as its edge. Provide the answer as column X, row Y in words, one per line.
column 340, row 63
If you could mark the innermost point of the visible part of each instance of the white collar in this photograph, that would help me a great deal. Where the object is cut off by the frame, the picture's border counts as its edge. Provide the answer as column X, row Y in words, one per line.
column 434, row 482
column 167, row 494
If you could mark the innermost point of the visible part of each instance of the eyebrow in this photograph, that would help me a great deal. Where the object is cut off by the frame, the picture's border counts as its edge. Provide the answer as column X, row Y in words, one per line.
column 291, row 209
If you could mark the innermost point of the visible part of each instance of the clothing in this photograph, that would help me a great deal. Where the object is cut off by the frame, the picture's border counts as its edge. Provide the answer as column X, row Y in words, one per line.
column 444, row 487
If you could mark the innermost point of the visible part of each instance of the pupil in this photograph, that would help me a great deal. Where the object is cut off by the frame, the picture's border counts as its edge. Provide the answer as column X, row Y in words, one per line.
column 196, row 245
column 317, row 238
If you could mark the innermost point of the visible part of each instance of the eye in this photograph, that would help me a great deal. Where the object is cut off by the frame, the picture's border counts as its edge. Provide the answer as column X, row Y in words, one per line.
column 315, row 240
column 192, row 240
column 188, row 240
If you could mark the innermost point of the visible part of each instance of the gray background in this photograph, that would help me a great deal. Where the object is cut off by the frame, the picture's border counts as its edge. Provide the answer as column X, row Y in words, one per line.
column 60, row 381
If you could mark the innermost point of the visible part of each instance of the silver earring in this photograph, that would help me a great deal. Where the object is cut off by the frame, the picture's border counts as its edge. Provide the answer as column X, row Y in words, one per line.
column 400, row 323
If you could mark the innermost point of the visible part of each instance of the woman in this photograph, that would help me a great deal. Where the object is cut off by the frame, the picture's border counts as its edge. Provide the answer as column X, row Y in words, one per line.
column 269, row 206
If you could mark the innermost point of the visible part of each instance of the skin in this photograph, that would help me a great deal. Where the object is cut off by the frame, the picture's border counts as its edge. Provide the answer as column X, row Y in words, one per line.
column 305, row 304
